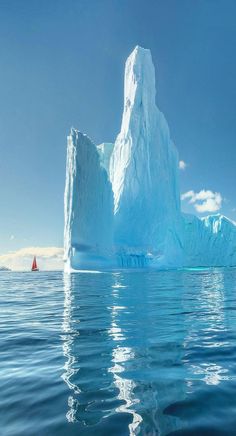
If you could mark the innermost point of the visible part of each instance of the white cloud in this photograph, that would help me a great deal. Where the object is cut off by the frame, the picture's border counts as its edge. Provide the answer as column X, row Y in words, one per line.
column 12, row 237
column 187, row 195
column 48, row 258
column 204, row 200
column 182, row 165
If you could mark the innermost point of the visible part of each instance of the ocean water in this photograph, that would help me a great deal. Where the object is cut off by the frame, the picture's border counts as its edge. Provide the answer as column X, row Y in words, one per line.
column 122, row 353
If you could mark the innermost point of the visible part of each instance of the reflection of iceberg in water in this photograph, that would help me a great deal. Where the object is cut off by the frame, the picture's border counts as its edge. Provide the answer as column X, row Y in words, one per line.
column 119, row 356
column 207, row 364
column 147, row 353
column 85, row 349
column 68, row 337
column 206, row 332
column 135, row 344
column 126, row 387
column 93, row 366
column 90, row 394
column 138, row 365
column 210, row 373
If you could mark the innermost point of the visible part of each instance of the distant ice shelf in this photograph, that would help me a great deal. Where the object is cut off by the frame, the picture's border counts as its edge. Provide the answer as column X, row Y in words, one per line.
column 122, row 200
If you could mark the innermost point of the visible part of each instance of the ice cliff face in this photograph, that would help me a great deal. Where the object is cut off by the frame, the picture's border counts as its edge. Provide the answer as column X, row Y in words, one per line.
column 105, row 150
column 122, row 200
column 144, row 168
column 88, row 203
column 210, row 241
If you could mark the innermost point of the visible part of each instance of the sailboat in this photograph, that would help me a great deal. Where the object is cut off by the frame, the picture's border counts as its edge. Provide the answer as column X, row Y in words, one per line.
column 34, row 265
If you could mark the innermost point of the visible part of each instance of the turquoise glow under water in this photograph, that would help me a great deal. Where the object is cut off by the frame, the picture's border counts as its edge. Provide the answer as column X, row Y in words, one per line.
column 121, row 353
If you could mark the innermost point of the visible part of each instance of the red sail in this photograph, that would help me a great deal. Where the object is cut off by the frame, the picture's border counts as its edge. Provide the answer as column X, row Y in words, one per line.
column 34, row 264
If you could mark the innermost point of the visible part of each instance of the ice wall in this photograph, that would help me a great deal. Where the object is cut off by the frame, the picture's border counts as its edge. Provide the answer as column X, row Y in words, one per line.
column 144, row 169
column 105, row 150
column 88, row 202
column 210, row 241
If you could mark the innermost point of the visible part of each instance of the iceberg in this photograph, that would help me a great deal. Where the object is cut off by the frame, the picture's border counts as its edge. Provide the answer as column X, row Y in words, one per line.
column 144, row 170
column 105, row 150
column 88, row 205
column 209, row 241
column 122, row 200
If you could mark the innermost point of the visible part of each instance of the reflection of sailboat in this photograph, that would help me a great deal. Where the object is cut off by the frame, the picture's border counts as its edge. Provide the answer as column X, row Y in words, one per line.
column 34, row 265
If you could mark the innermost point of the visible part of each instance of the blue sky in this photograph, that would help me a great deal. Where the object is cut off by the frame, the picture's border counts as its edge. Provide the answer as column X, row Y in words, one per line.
column 62, row 65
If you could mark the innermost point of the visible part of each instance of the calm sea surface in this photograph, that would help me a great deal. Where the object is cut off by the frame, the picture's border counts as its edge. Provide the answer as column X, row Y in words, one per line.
column 122, row 353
